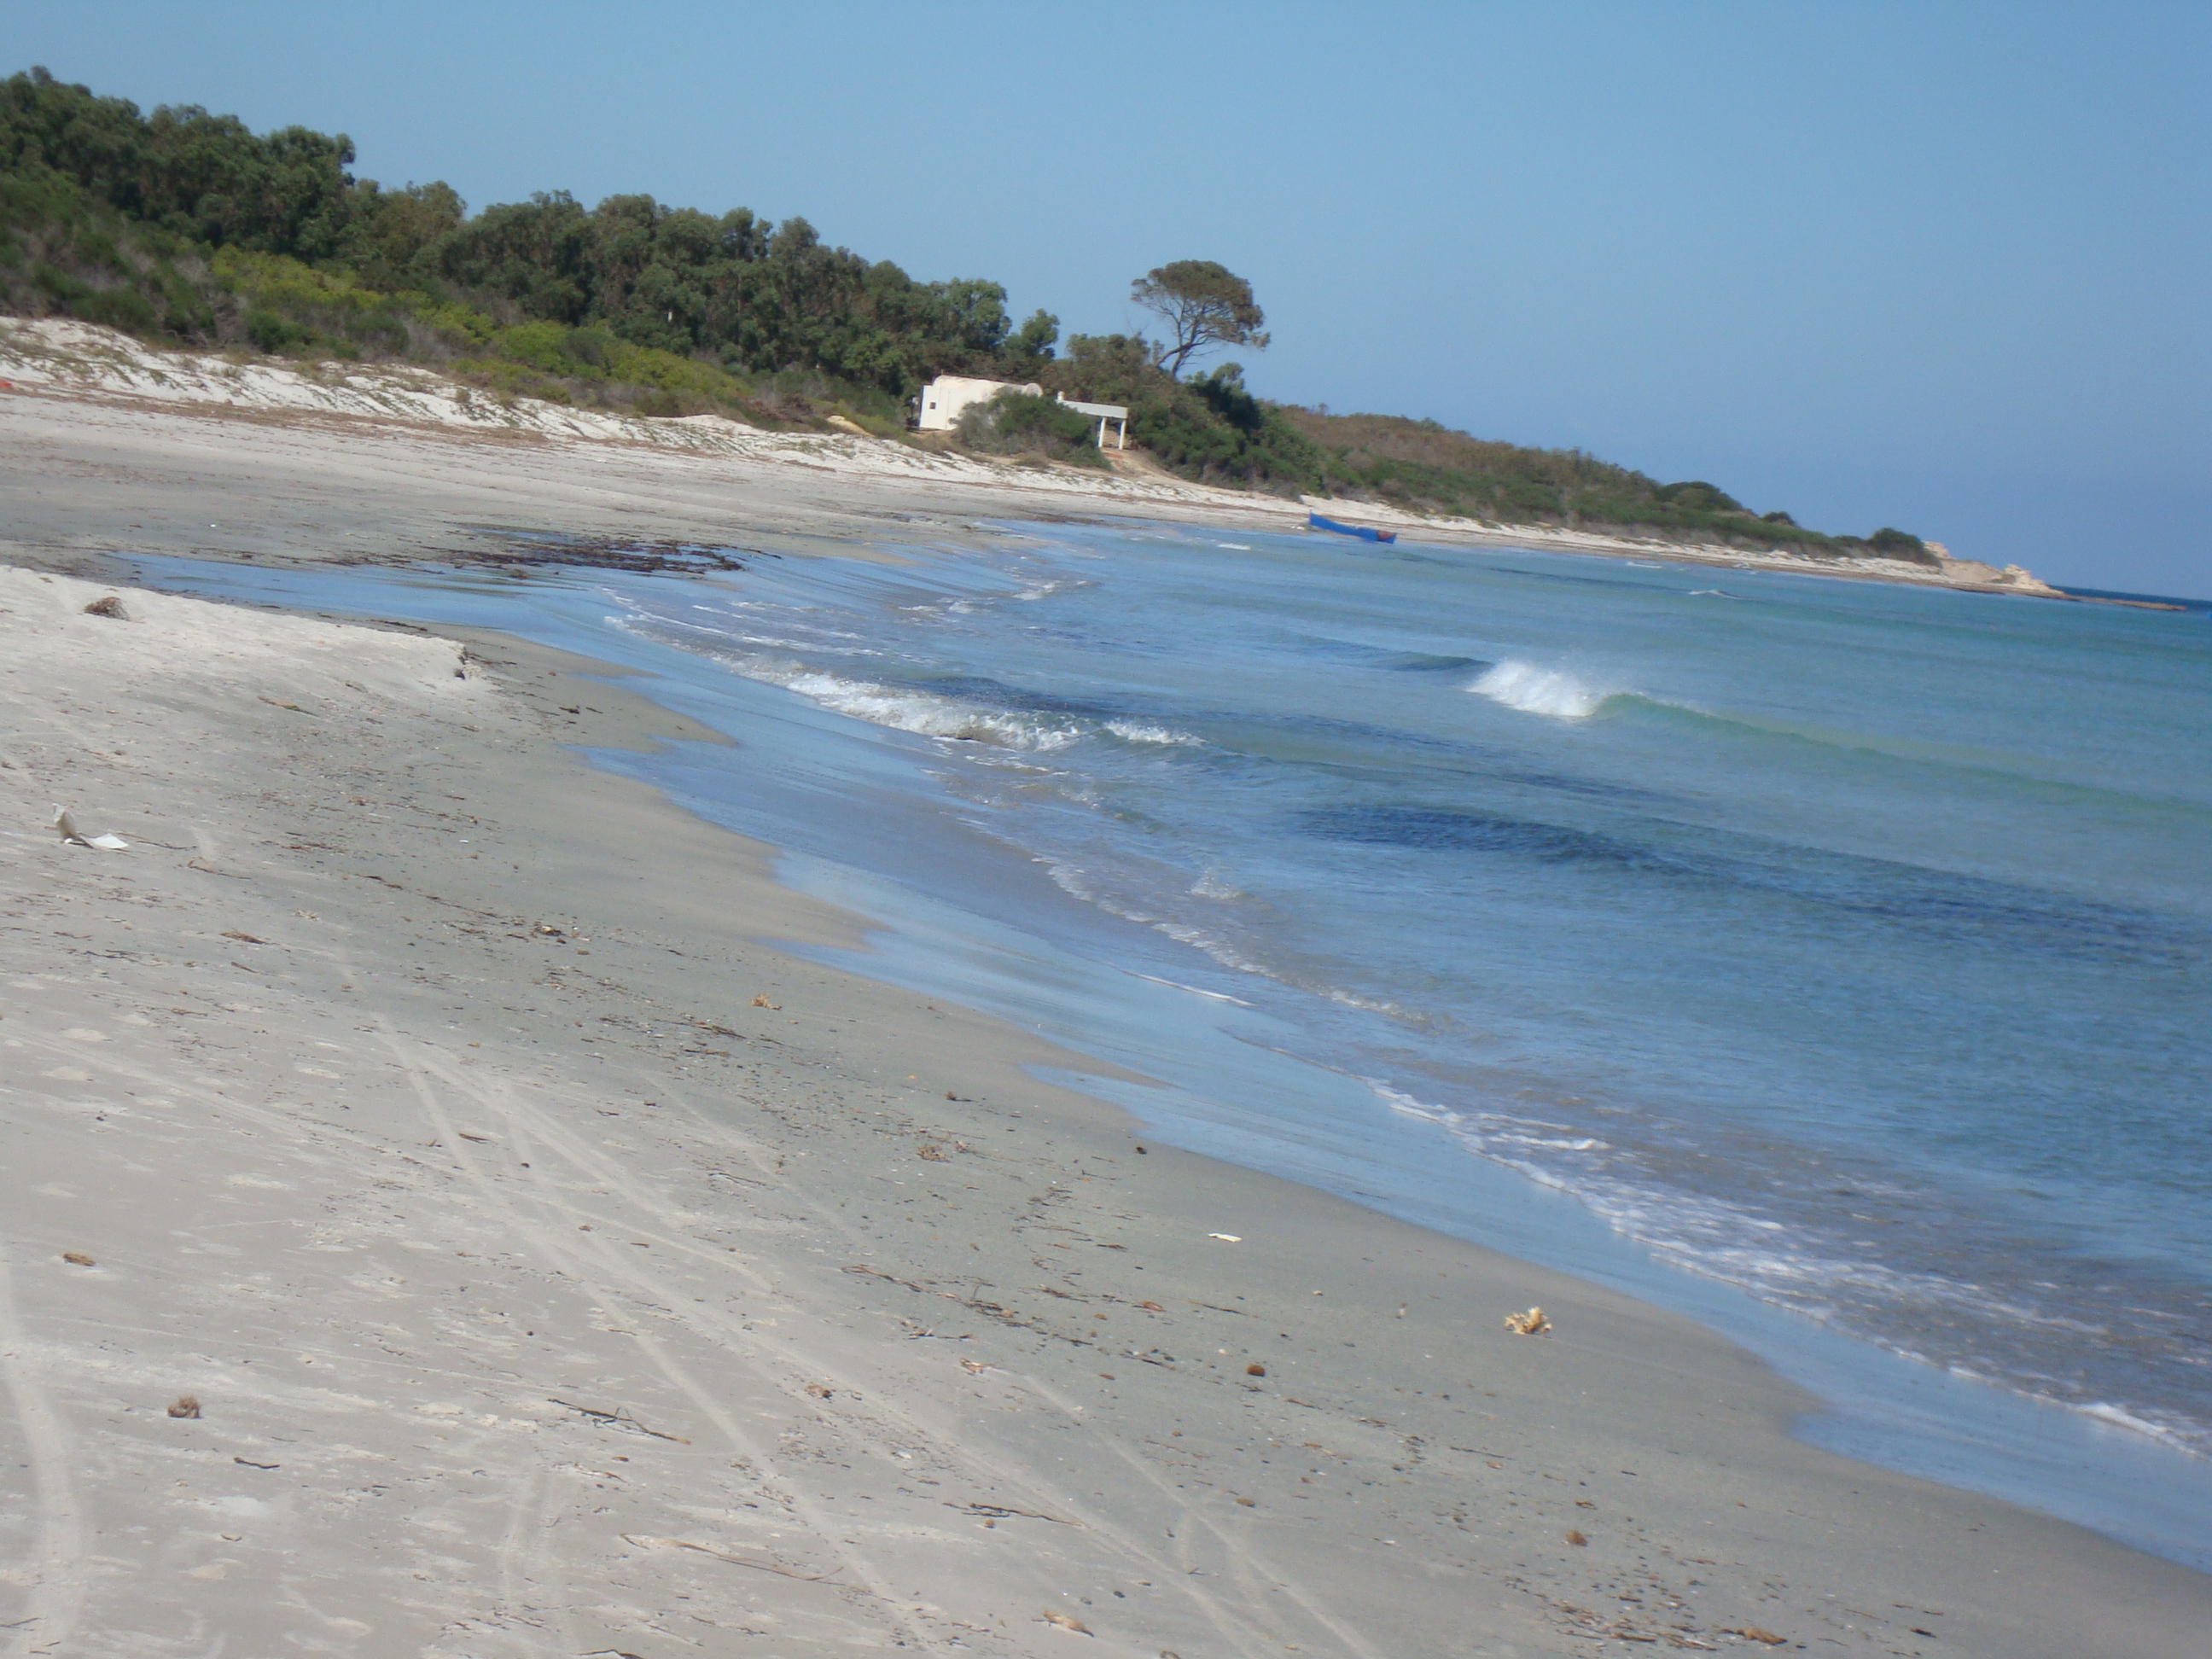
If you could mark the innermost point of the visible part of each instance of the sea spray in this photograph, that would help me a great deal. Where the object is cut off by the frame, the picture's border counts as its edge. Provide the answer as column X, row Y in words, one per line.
column 1537, row 691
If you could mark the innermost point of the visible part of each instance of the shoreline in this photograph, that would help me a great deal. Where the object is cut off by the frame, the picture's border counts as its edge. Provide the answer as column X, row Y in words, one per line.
column 943, row 925
column 61, row 363
column 1479, row 1543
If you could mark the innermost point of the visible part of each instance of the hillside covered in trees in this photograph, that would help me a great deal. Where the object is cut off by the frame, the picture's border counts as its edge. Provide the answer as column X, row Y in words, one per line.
column 187, row 227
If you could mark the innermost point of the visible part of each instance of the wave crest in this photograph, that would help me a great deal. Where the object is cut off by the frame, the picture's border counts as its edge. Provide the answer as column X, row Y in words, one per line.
column 1535, row 691
column 932, row 714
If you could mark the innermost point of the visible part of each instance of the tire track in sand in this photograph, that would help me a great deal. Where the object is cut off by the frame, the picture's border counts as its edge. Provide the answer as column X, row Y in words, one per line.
column 58, row 1593
column 1255, row 1575
column 589, row 1273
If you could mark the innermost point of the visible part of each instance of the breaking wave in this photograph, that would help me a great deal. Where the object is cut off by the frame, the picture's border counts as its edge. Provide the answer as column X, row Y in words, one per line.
column 1535, row 691
column 932, row 714
column 923, row 712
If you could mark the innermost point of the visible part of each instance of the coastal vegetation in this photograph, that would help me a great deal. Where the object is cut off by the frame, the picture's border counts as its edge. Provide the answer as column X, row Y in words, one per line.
column 1024, row 424
column 187, row 227
column 1204, row 304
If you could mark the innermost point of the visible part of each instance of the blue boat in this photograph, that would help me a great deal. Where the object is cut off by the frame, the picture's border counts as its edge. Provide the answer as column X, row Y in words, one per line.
column 1364, row 532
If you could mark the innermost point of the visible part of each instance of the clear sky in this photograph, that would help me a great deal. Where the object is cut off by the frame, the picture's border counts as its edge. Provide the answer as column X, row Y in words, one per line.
column 1941, row 265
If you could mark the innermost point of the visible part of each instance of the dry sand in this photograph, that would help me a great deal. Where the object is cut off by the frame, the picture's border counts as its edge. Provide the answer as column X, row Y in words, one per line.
column 558, row 1269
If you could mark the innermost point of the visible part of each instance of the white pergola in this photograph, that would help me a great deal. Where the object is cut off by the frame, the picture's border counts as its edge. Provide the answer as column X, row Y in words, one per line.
column 1104, row 412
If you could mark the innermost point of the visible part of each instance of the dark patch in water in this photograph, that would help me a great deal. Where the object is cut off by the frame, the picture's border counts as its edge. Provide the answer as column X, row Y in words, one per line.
column 528, row 549
column 1579, row 581
column 1966, row 908
column 1444, row 830
column 1418, row 662
column 1376, row 656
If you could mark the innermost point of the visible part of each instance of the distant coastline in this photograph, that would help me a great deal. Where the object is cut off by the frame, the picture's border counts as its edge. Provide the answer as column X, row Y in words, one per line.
column 71, row 361
column 186, row 228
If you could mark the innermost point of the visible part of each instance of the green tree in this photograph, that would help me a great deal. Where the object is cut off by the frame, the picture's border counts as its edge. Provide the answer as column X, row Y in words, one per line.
column 1204, row 304
column 1033, row 342
column 389, row 229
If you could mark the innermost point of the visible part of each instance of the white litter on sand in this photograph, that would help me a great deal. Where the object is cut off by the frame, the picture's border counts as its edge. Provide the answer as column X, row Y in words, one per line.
column 68, row 831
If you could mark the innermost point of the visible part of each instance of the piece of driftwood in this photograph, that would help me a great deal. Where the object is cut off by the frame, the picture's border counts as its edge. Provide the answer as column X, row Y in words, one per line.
column 1000, row 1512
column 617, row 1419
column 734, row 1560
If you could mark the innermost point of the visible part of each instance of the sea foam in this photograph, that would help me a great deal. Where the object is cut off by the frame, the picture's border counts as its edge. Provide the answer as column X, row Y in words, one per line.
column 926, row 714
column 1537, row 691
column 931, row 714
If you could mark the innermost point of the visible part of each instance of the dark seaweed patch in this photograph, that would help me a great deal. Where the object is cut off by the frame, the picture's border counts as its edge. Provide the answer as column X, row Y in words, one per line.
column 1444, row 830
column 527, row 550
column 1965, row 909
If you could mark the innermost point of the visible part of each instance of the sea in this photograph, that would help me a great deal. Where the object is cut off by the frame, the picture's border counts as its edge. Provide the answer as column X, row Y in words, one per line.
column 1828, row 960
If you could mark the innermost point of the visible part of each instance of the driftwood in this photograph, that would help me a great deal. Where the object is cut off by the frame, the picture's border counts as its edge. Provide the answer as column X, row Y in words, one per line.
column 734, row 1560
column 615, row 1420
column 1000, row 1512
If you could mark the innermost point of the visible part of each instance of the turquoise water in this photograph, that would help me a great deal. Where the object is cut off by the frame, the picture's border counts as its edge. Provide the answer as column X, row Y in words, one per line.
column 1831, row 948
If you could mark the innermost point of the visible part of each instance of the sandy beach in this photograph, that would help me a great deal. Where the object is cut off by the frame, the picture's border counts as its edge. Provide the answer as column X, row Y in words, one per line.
column 438, row 1219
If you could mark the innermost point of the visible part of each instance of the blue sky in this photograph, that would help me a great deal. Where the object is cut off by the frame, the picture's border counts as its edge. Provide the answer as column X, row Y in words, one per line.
column 1944, row 266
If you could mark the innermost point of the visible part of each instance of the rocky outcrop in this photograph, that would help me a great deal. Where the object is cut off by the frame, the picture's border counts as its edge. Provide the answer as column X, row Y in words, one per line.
column 1974, row 572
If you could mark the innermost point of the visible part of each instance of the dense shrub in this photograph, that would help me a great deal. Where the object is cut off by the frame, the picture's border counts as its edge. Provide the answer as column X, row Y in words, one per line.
column 1696, row 496
column 63, row 253
column 1208, row 428
column 1901, row 544
column 188, row 226
column 1427, row 466
column 1022, row 423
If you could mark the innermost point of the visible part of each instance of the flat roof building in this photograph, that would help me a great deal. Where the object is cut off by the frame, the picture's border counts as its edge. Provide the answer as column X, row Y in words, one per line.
column 947, row 398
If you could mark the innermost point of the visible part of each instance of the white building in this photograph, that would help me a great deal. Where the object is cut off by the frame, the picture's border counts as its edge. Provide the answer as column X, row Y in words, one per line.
column 945, row 398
